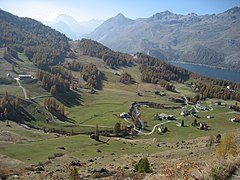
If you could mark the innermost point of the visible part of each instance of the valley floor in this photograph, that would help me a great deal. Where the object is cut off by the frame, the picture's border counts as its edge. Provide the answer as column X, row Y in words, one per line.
column 61, row 146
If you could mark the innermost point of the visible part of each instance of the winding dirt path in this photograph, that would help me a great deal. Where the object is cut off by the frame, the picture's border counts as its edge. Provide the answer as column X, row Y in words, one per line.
column 23, row 89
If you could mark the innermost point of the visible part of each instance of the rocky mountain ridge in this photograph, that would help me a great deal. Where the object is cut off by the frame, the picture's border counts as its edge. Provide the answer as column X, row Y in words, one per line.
column 203, row 39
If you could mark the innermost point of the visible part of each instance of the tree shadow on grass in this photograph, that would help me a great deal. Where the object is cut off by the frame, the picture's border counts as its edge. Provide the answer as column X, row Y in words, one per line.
column 69, row 99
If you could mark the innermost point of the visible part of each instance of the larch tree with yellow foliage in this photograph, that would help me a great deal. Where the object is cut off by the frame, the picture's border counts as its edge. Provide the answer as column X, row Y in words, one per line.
column 227, row 147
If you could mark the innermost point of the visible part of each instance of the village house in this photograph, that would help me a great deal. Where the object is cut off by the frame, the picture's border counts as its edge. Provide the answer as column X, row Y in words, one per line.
column 219, row 103
column 162, row 94
column 157, row 117
column 162, row 129
column 235, row 120
column 203, row 108
column 165, row 116
column 187, row 112
column 203, row 126
column 210, row 116
column 24, row 76
column 124, row 115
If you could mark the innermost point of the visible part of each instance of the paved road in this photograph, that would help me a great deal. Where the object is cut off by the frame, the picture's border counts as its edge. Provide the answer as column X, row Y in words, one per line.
column 154, row 127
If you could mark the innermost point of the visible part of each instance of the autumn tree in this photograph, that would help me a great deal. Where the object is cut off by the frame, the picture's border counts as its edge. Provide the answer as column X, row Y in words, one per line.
column 16, row 102
column 61, row 109
column 227, row 147
column 6, row 113
column 6, row 95
column 126, row 78
column 74, row 175
column 29, row 94
column 132, row 131
column 53, row 89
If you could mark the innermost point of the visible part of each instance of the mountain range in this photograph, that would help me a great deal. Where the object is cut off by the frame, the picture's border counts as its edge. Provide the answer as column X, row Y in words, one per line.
column 202, row 39
column 71, row 27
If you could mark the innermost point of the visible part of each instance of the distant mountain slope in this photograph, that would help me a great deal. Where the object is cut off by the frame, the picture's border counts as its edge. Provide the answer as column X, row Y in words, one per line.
column 71, row 27
column 111, row 58
column 41, row 44
column 206, row 39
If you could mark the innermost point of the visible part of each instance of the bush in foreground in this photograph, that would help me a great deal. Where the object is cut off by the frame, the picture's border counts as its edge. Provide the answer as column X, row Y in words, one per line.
column 143, row 166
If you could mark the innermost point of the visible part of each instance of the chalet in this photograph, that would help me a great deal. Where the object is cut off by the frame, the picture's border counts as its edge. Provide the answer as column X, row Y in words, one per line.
column 162, row 129
column 157, row 117
column 24, row 76
column 124, row 115
column 219, row 103
column 203, row 126
column 165, row 116
column 235, row 120
column 139, row 94
column 196, row 90
column 185, row 113
column 162, row 94
column 203, row 108
column 93, row 91
column 117, row 74
column 170, row 117
column 210, row 116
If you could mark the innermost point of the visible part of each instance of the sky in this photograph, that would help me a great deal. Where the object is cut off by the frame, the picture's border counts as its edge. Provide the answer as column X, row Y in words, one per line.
column 85, row 10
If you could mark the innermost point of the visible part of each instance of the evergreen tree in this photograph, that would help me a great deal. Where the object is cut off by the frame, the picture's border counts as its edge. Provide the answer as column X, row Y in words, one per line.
column 96, row 133
column 117, row 129
column 143, row 166
column 182, row 124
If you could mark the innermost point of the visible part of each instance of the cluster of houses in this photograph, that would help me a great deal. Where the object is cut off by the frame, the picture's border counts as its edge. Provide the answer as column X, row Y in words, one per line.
column 202, row 108
column 186, row 112
column 163, row 116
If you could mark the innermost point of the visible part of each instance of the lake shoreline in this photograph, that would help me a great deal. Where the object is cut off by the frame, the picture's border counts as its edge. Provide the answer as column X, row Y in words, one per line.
column 210, row 71
column 205, row 65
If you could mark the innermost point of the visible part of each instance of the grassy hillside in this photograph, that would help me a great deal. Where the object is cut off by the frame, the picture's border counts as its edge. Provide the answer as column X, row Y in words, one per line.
column 84, row 108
